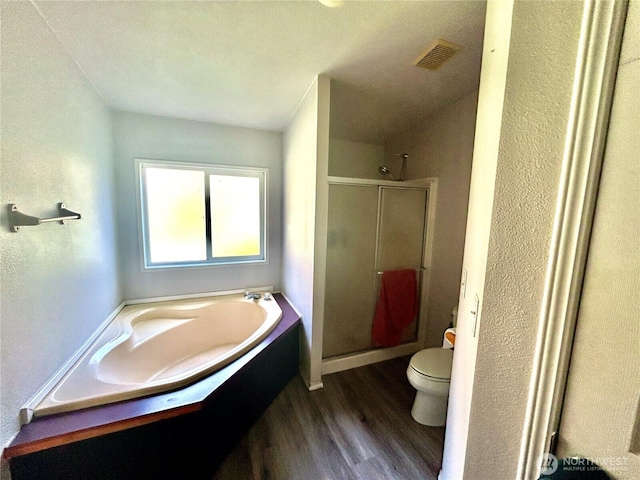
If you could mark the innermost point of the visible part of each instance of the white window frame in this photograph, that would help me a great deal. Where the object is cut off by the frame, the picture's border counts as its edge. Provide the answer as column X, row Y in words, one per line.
column 209, row 169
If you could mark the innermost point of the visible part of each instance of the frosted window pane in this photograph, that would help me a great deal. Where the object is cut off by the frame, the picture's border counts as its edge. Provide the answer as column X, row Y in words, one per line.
column 175, row 215
column 235, row 216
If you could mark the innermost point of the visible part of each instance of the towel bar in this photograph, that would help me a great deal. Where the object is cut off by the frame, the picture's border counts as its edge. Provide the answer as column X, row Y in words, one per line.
column 422, row 269
column 18, row 219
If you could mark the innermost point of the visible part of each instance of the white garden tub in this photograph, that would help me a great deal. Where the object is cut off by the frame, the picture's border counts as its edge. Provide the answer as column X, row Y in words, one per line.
column 155, row 347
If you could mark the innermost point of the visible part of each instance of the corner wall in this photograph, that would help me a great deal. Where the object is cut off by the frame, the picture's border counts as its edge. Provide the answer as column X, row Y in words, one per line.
column 442, row 147
column 306, row 152
column 58, row 283
column 161, row 138
column 354, row 159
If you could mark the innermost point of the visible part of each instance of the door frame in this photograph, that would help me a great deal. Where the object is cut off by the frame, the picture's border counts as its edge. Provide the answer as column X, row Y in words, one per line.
column 592, row 94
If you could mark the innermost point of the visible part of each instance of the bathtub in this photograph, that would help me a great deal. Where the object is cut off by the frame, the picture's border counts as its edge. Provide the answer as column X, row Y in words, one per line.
column 160, row 346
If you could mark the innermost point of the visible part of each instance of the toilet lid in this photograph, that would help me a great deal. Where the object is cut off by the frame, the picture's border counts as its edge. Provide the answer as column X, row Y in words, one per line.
column 433, row 362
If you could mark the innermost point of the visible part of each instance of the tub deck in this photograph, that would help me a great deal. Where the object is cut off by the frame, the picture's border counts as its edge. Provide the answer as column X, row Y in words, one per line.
column 157, row 347
column 191, row 428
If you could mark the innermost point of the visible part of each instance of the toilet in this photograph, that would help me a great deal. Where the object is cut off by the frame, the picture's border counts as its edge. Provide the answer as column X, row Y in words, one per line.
column 429, row 372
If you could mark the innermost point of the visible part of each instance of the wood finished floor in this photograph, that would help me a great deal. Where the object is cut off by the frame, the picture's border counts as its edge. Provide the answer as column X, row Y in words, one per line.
column 358, row 427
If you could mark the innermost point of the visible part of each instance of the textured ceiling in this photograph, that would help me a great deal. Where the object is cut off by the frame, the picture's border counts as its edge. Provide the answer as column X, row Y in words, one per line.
column 249, row 63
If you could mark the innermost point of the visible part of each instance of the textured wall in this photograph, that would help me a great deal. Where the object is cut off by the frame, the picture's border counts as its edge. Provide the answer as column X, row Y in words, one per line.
column 442, row 146
column 161, row 138
column 58, row 282
column 603, row 389
column 542, row 57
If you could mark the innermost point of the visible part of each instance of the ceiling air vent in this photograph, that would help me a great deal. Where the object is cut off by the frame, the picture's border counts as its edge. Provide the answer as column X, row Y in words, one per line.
column 438, row 53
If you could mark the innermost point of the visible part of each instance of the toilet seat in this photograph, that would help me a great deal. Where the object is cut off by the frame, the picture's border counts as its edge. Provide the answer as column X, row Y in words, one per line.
column 434, row 363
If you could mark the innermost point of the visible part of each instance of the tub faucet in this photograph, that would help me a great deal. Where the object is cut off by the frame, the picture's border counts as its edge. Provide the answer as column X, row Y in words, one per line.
column 252, row 295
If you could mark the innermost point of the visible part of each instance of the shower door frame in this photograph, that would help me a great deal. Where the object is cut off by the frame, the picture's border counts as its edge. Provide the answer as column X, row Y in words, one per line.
column 377, row 354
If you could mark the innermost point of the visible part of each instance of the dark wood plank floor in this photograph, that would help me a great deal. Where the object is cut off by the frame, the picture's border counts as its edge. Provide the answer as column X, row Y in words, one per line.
column 358, row 427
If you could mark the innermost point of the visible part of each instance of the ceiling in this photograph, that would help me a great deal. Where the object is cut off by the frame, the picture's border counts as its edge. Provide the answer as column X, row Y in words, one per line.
column 249, row 63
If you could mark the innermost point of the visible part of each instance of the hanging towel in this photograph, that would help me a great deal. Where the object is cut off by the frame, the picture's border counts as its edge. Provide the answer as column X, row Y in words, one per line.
column 397, row 306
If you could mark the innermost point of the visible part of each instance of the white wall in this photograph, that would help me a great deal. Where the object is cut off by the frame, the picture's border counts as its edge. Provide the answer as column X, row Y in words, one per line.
column 354, row 159
column 322, row 224
column 442, row 147
column 306, row 143
column 539, row 84
column 485, row 151
column 161, row 138
column 58, row 282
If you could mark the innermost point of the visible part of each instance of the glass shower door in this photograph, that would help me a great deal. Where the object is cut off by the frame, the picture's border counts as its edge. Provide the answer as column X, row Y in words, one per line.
column 401, row 237
column 351, row 248
column 402, row 228
column 370, row 229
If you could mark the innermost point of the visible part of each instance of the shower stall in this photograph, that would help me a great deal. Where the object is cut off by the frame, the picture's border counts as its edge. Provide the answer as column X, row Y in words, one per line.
column 373, row 226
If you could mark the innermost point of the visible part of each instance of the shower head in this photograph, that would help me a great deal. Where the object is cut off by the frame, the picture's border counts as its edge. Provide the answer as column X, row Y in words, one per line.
column 384, row 170
column 404, row 156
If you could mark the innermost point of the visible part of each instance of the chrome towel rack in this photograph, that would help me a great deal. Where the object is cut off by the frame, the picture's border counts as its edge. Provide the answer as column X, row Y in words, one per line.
column 18, row 219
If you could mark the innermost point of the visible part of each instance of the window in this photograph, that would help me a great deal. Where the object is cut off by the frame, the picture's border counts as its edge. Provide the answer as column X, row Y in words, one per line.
column 194, row 214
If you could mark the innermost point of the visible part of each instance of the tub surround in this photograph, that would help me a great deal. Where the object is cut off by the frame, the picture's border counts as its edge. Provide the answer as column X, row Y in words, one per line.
column 186, row 433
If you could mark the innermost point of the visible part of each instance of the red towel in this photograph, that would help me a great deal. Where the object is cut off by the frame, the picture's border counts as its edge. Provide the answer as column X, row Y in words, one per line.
column 396, row 308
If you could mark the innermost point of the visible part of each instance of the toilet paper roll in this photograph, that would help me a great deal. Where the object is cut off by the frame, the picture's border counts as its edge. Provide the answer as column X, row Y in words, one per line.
column 449, row 338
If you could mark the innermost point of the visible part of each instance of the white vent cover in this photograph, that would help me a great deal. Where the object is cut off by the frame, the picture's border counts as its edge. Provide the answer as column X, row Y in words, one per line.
column 438, row 53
